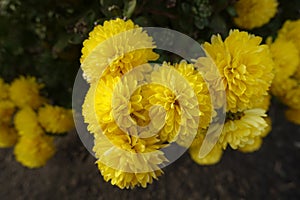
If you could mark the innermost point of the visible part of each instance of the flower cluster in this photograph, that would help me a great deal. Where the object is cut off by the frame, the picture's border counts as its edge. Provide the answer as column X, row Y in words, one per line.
column 254, row 13
column 134, row 116
column 246, row 69
column 27, row 120
column 286, row 54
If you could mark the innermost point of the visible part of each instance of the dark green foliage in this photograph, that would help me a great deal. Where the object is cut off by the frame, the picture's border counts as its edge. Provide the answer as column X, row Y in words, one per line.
column 44, row 38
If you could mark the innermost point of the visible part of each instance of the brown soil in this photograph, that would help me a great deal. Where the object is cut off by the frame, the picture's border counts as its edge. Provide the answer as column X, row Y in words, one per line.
column 271, row 173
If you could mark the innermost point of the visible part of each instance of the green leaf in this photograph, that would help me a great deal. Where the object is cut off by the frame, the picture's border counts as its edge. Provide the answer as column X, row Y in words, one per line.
column 231, row 11
column 218, row 25
column 76, row 39
column 129, row 8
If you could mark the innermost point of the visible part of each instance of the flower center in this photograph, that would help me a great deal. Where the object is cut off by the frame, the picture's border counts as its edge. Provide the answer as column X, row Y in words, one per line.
column 234, row 116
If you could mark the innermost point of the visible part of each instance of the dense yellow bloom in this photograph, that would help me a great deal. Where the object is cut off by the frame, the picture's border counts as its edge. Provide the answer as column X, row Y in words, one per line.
column 254, row 13
column 34, row 151
column 7, row 109
column 292, row 98
column 8, row 136
column 184, row 109
column 125, row 179
column 3, row 89
column 245, row 66
column 117, row 107
column 263, row 103
column 293, row 115
column 106, row 110
column 240, row 129
column 249, row 148
column 115, row 48
column 207, row 67
column 88, row 110
column 134, row 164
column 286, row 84
column 110, row 107
column 213, row 157
column 286, row 58
column 125, row 160
column 290, row 31
column 55, row 119
column 26, row 122
column 25, row 92
column 97, row 107
column 258, row 140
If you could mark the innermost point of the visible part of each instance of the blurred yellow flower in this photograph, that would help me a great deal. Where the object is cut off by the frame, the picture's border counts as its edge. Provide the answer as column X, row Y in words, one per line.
column 286, row 58
column 292, row 97
column 241, row 128
column 245, row 66
column 34, row 151
column 286, row 82
column 254, row 13
column 8, row 136
column 285, row 55
column 3, row 90
column 55, row 119
column 26, row 122
column 293, row 115
column 213, row 157
column 7, row 109
column 24, row 91
column 290, row 31
column 114, row 49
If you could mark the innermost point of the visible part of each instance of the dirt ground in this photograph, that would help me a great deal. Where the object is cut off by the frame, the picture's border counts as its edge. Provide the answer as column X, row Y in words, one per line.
column 271, row 173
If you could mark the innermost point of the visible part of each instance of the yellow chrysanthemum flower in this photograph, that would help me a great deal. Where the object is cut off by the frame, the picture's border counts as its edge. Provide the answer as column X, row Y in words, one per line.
column 249, row 148
column 125, row 179
column 110, row 107
column 25, row 92
column 106, row 110
column 254, row 13
column 26, row 122
column 55, row 119
column 192, row 98
column 120, row 151
column 285, row 55
column 3, row 89
column 293, row 115
column 286, row 86
column 286, row 58
column 8, row 136
column 115, row 48
column 34, row 151
column 241, row 128
column 213, row 157
column 245, row 66
column 292, row 98
column 88, row 110
column 258, row 140
column 97, row 107
column 290, row 31
column 7, row 109
column 263, row 103
column 134, row 164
